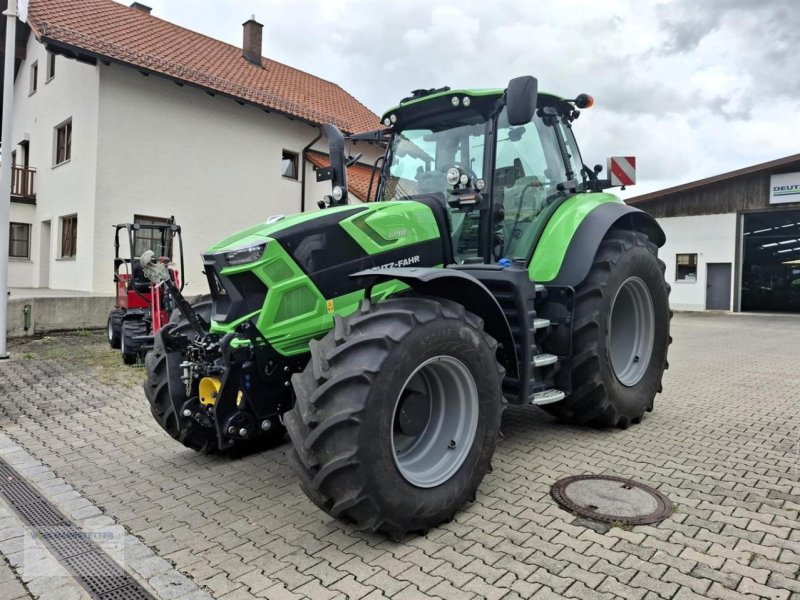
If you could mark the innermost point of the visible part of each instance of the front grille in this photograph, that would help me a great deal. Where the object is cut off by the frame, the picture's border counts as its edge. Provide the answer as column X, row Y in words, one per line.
column 233, row 296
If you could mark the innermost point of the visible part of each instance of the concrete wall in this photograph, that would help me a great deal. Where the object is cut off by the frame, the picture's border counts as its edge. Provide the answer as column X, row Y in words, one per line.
column 65, row 189
column 58, row 314
column 712, row 238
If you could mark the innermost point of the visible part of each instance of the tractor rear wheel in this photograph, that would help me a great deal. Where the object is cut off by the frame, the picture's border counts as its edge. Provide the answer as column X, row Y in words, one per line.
column 114, row 327
column 397, row 415
column 130, row 347
column 620, row 334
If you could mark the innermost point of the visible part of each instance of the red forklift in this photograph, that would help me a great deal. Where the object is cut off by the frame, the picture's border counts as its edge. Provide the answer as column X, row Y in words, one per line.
column 142, row 308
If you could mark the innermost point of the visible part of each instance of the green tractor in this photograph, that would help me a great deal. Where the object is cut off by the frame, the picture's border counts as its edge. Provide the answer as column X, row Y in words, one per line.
column 386, row 338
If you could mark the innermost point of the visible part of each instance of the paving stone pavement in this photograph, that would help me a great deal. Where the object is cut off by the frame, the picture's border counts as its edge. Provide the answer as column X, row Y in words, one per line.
column 723, row 443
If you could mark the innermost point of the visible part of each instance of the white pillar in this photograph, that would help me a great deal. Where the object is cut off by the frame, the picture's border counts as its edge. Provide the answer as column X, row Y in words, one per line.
column 5, row 168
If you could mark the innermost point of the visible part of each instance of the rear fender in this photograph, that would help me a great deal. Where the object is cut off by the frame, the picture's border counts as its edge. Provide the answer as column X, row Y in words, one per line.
column 459, row 287
column 589, row 235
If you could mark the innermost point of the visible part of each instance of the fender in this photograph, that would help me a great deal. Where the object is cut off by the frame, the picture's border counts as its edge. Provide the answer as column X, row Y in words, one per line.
column 462, row 288
column 576, row 261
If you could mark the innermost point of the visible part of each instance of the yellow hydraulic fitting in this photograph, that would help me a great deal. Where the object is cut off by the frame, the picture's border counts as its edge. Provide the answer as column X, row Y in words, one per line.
column 209, row 390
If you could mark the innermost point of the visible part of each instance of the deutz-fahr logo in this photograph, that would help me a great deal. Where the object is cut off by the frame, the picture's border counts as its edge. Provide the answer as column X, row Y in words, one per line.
column 400, row 262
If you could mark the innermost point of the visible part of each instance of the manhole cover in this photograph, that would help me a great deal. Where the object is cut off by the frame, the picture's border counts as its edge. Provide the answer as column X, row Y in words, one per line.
column 611, row 499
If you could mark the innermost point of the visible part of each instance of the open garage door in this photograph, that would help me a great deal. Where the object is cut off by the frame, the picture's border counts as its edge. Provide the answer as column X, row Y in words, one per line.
column 771, row 265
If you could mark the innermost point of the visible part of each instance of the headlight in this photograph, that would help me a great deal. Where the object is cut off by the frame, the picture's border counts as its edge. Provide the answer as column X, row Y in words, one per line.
column 337, row 192
column 453, row 174
column 242, row 256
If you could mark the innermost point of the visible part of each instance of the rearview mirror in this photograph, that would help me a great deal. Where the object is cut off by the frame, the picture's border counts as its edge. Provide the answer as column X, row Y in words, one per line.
column 521, row 100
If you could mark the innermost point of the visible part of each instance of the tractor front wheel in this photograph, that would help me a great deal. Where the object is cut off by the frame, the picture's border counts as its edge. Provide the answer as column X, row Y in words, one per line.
column 397, row 415
column 620, row 335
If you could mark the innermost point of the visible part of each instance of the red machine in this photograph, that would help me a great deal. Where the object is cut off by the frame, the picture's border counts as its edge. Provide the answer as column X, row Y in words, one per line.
column 141, row 306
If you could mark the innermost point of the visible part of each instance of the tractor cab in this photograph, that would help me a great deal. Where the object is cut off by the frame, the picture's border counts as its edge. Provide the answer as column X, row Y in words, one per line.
column 498, row 162
column 141, row 308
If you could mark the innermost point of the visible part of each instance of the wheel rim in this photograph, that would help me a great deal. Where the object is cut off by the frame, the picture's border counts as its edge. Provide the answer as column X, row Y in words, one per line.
column 631, row 331
column 110, row 331
column 434, row 421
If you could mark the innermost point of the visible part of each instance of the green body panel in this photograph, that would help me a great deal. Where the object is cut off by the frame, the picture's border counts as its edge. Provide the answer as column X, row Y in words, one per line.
column 294, row 310
column 559, row 231
column 389, row 225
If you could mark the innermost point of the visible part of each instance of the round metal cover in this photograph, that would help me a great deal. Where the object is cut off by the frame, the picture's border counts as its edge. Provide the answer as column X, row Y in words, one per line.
column 611, row 499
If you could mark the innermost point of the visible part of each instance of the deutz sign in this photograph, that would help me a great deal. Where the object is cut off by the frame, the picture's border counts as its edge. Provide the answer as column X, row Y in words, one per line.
column 784, row 188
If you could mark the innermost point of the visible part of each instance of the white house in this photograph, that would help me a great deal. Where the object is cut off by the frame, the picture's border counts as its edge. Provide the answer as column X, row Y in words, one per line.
column 121, row 116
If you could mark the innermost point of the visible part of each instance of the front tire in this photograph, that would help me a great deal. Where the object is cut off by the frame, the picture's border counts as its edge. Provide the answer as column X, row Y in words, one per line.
column 114, row 328
column 620, row 335
column 397, row 415
column 198, row 437
column 130, row 347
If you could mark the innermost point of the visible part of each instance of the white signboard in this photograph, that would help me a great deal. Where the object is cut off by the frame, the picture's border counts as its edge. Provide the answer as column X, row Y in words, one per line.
column 784, row 188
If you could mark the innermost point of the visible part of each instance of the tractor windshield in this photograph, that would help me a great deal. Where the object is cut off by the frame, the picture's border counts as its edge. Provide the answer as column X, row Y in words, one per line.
column 527, row 169
column 421, row 157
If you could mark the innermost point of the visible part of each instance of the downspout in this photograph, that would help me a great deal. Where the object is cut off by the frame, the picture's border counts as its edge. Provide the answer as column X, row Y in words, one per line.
column 303, row 162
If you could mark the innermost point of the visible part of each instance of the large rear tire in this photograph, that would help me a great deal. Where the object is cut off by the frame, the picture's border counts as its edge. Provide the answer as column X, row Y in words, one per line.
column 397, row 415
column 620, row 335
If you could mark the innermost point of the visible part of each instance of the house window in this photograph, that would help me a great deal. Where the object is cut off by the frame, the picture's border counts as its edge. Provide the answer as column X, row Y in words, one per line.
column 51, row 66
column 63, row 142
column 289, row 164
column 69, row 236
column 19, row 240
column 34, row 77
column 159, row 241
column 686, row 267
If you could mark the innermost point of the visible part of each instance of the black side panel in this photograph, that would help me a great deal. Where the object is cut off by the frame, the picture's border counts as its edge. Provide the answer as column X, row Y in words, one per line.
column 460, row 287
column 328, row 255
column 320, row 243
column 586, row 241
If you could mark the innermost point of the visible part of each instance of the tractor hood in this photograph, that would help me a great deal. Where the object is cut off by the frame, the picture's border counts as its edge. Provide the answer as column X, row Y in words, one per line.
column 257, row 233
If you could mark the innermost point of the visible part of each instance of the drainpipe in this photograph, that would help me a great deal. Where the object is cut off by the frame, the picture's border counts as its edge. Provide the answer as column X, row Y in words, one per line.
column 303, row 162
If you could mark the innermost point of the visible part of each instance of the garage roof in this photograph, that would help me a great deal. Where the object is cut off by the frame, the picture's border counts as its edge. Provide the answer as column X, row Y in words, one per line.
column 780, row 165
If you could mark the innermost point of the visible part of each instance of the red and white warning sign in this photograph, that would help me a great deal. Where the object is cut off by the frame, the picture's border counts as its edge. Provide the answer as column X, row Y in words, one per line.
column 622, row 170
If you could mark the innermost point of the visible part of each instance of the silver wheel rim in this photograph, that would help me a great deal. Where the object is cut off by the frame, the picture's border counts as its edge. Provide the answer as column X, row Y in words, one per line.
column 122, row 342
column 434, row 421
column 110, row 331
column 631, row 331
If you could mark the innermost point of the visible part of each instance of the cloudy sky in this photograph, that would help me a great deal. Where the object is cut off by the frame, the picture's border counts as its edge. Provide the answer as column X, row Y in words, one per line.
column 691, row 87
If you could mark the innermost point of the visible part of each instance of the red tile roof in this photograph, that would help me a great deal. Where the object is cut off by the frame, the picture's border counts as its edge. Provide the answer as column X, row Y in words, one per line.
column 119, row 33
column 358, row 175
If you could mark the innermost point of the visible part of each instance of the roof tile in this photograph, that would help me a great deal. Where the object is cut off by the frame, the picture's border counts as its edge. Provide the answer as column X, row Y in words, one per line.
column 114, row 31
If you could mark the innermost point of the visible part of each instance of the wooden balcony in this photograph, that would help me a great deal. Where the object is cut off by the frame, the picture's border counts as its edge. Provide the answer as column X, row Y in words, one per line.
column 22, row 182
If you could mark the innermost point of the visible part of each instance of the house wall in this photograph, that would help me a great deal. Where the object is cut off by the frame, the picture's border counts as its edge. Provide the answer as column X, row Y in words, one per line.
column 214, row 164
column 712, row 238
column 64, row 189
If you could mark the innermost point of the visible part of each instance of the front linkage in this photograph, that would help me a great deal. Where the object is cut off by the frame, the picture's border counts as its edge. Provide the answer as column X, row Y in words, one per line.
column 233, row 386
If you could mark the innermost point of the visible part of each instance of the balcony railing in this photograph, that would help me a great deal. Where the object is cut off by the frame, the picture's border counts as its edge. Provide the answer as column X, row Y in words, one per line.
column 22, row 182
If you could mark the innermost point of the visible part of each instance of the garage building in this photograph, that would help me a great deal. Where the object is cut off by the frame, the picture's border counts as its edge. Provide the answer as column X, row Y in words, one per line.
column 733, row 240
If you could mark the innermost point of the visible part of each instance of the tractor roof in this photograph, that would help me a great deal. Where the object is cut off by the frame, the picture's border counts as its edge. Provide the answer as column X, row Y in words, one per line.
column 478, row 97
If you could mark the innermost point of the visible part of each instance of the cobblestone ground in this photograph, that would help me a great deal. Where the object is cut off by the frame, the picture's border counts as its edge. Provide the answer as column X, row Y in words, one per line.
column 723, row 443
